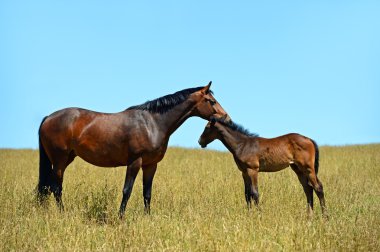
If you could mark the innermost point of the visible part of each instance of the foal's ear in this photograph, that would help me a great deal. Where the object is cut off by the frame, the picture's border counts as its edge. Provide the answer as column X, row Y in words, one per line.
column 206, row 89
column 213, row 121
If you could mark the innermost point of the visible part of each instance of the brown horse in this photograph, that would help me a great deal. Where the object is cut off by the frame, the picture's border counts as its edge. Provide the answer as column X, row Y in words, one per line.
column 136, row 137
column 255, row 154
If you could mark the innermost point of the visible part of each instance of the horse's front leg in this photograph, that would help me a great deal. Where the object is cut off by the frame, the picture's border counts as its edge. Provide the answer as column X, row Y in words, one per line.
column 148, row 175
column 132, row 171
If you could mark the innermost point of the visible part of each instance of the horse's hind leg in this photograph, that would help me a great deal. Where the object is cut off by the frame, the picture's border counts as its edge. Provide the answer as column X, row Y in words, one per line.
column 306, row 188
column 56, row 186
column 59, row 167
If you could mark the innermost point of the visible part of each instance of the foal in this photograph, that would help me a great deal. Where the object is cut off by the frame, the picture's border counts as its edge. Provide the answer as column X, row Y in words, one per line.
column 255, row 154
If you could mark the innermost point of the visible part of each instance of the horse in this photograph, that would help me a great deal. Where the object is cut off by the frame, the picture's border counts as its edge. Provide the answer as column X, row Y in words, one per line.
column 254, row 154
column 136, row 137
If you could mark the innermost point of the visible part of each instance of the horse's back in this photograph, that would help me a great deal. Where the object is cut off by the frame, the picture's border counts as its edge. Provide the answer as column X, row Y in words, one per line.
column 63, row 121
column 58, row 122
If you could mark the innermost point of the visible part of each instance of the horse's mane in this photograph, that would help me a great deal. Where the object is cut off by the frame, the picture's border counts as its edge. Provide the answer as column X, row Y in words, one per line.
column 235, row 127
column 167, row 102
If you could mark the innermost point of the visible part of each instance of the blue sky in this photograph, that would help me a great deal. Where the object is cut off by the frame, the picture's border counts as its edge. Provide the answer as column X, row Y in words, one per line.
column 311, row 67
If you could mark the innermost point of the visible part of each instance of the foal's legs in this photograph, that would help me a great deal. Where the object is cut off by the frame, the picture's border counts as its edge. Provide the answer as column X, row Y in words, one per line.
column 132, row 171
column 148, row 175
column 247, row 188
column 318, row 188
column 251, row 188
column 306, row 188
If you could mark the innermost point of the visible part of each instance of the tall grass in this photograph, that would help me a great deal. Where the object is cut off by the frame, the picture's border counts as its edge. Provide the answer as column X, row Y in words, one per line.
column 197, row 204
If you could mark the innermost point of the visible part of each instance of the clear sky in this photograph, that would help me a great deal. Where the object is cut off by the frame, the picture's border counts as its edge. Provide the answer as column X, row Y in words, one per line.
column 311, row 67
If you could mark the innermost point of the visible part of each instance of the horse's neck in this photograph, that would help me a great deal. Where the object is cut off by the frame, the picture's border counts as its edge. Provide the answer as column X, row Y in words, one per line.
column 230, row 139
column 171, row 120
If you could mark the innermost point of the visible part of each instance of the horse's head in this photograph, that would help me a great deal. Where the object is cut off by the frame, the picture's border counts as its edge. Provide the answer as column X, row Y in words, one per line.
column 209, row 134
column 207, row 106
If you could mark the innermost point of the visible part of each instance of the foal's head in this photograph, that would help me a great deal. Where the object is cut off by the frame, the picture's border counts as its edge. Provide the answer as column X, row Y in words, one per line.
column 210, row 133
column 206, row 105
column 219, row 128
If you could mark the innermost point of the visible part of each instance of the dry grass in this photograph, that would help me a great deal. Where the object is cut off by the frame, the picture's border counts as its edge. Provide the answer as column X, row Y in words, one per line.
column 198, row 204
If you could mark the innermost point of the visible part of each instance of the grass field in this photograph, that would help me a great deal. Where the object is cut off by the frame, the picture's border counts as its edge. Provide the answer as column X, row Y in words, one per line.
column 198, row 204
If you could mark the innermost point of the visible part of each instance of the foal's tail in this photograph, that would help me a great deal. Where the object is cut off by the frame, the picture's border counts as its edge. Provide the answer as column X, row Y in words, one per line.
column 45, row 169
column 316, row 161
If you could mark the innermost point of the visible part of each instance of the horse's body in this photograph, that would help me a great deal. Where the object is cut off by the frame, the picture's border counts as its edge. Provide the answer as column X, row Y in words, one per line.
column 137, row 137
column 117, row 143
column 255, row 154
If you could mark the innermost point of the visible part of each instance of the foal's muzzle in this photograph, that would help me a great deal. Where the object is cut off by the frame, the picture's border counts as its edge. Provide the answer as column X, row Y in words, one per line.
column 202, row 144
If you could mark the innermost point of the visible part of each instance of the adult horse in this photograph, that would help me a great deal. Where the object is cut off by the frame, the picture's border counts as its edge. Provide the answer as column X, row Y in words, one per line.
column 136, row 137
column 255, row 154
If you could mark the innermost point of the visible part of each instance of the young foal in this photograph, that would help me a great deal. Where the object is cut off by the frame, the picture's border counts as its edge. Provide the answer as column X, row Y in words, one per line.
column 255, row 154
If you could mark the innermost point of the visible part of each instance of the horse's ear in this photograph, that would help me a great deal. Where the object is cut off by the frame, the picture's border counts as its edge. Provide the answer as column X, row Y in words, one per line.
column 206, row 89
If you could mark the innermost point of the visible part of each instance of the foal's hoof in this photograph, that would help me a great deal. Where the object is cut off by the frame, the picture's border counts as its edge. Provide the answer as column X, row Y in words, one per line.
column 325, row 216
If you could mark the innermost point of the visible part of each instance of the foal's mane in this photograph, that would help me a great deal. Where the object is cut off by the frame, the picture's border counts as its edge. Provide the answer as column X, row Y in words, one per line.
column 235, row 127
column 167, row 102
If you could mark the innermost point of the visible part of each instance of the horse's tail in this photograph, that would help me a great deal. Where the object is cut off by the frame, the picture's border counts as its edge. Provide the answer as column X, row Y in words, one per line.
column 316, row 160
column 45, row 169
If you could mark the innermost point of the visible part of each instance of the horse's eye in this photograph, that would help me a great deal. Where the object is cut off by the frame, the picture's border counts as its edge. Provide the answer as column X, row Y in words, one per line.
column 212, row 102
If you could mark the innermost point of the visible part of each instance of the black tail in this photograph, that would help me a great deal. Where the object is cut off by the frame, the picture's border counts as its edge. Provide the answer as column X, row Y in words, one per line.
column 45, row 169
column 316, row 161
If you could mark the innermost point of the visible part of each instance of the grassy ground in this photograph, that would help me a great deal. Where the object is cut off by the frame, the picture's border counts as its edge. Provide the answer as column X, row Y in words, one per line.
column 197, row 204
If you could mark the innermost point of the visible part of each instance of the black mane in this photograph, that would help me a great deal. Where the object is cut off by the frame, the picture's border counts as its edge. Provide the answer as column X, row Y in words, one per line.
column 167, row 102
column 236, row 127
